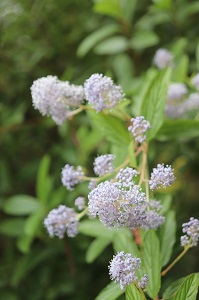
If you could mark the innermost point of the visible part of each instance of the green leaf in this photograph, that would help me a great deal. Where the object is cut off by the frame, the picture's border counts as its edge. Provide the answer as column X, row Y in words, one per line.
column 111, row 292
column 33, row 223
column 12, row 227
column 43, row 185
column 143, row 39
column 91, row 40
column 128, row 8
column 110, row 8
column 24, row 243
column 178, row 129
column 20, row 205
column 95, row 228
column 154, row 102
column 123, row 241
column 181, row 70
column 188, row 289
column 112, row 45
column 132, row 293
column 112, row 128
column 96, row 248
column 152, row 262
column 169, row 292
column 167, row 237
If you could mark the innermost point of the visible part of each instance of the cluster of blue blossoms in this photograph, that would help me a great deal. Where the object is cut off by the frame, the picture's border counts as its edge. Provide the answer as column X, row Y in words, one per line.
column 120, row 200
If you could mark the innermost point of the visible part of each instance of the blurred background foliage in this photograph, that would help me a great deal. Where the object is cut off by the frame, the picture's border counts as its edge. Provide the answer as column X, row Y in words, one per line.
column 73, row 39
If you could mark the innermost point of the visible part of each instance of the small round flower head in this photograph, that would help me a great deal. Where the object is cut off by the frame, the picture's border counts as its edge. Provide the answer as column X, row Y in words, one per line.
column 174, row 111
column 153, row 217
column 118, row 207
column 138, row 128
column 47, row 94
column 60, row 221
column 195, row 81
column 192, row 102
column 161, row 176
column 103, row 164
column 191, row 230
column 176, row 91
column 163, row 58
column 80, row 203
column 101, row 92
column 55, row 98
column 70, row 176
column 125, row 177
column 123, row 268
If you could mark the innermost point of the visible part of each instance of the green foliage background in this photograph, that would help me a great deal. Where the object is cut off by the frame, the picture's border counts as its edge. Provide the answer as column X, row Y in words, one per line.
column 73, row 39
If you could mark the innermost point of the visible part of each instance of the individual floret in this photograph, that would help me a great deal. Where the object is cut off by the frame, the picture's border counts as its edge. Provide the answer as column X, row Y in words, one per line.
column 103, row 164
column 161, row 176
column 191, row 230
column 101, row 92
column 70, row 177
column 138, row 128
column 163, row 58
column 123, row 268
column 60, row 221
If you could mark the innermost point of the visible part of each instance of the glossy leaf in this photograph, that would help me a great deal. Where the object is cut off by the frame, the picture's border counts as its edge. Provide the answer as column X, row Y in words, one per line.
column 112, row 45
column 96, row 248
column 171, row 290
column 12, row 227
column 167, row 237
column 188, row 289
column 143, row 39
column 132, row 293
column 152, row 262
column 178, row 129
column 111, row 292
column 110, row 8
column 20, row 205
column 181, row 70
column 95, row 228
column 44, row 184
column 123, row 241
column 94, row 38
column 112, row 128
column 154, row 102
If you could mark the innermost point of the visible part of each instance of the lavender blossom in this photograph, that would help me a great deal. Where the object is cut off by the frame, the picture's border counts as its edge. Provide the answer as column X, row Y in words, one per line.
column 138, row 128
column 92, row 184
column 191, row 230
column 163, row 58
column 55, row 98
column 60, row 221
column 174, row 111
column 123, row 268
column 115, row 207
column 192, row 102
column 161, row 176
column 70, row 177
column 176, row 92
column 80, row 203
column 103, row 164
column 101, row 92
